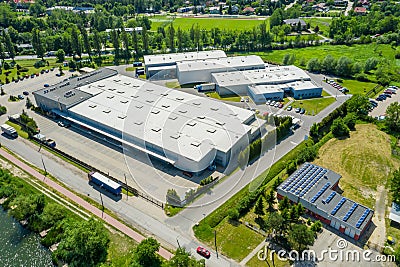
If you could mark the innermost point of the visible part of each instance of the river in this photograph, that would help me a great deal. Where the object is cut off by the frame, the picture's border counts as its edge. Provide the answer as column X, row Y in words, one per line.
column 19, row 246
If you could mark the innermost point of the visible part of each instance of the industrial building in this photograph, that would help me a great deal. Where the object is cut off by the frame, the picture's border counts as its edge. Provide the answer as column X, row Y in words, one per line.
column 165, row 64
column 268, row 83
column 200, row 71
column 181, row 129
column 314, row 187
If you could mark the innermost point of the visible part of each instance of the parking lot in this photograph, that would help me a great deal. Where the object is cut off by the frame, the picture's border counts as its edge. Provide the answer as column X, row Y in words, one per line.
column 382, row 105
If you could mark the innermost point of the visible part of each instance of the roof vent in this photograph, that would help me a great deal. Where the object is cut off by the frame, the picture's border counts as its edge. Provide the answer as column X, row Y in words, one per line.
column 156, row 129
column 192, row 123
column 195, row 143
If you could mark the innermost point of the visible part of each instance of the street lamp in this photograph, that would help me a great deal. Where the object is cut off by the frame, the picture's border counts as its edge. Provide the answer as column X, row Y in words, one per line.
column 101, row 198
column 204, row 216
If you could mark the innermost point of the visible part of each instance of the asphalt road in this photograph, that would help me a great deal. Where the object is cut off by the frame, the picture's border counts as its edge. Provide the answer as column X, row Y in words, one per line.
column 170, row 231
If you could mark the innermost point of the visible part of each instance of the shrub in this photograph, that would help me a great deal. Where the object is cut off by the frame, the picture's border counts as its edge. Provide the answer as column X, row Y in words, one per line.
column 339, row 128
column 234, row 214
column 207, row 180
column 39, row 64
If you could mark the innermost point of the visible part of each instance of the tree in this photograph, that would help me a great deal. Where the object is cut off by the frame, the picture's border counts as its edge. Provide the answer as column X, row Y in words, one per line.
column 284, row 204
column 393, row 116
column 125, row 42
column 350, row 120
column 84, row 243
column 316, row 226
column 358, row 104
column 291, row 167
column 28, row 103
column 300, row 237
column 371, row 64
column 2, row 55
column 259, row 208
column 97, row 42
column 76, row 42
column 85, row 39
column 243, row 157
column 316, row 29
column 52, row 213
column 276, row 18
column 313, row 65
column 145, row 253
column 115, row 42
column 357, row 68
column 60, row 55
column 270, row 199
column 328, row 64
column 171, row 38
column 182, row 258
column 145, row 40
column 9, row 44
column 275, row 222
column 339, row 128
column 234, row 214
column 344, row 66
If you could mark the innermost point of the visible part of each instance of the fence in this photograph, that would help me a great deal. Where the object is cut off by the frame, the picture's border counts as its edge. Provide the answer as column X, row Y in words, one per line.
column 88, row 167
column 373, row 90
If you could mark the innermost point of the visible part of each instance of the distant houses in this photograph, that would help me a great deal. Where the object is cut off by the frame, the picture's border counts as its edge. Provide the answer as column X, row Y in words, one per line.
column 360, row 10
column 295, row 22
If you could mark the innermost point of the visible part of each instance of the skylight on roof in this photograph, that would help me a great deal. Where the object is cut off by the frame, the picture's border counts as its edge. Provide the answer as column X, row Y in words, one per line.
column 149, row 101
column 182, row 111
column 121, row 117
column 107, row 110
column 138, row 106
column 175, row 136
column 220, row 123
column 195, row 143
column 110, row 96
column 156, row 129
column 173, row 118
column 192, row 123
column 155, row 111
column 138, row 122
column 124, row 101
column 92, row 105
column 211, row 130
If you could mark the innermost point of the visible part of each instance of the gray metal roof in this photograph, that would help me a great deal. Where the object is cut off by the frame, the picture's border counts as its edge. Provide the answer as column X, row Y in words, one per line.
column 171, row 59
column 67, row 92
column 313, row 185
column 395, row 212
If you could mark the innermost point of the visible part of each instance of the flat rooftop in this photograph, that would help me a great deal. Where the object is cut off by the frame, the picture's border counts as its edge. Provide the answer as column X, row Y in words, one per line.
column 302, row 85
column 266, row 89
column 68, row 93
column 269, row 75
column 175, row 121
column 312, row 184
column 173, row 58
column 221, row 63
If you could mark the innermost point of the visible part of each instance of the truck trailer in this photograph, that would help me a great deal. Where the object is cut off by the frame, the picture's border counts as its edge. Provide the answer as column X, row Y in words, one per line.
column 104, row 182
column 9, row 130
column 205, row 87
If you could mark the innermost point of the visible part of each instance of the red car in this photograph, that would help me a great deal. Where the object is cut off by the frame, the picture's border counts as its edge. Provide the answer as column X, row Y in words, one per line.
column 280, row 105
column 203, row 252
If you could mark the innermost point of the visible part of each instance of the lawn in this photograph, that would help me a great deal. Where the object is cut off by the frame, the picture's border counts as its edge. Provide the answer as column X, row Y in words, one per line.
column 363, row 167
column 255, row 262
column 173, row 84
column 313, row 106
column 28, row 63
column 357, row 87
column 323, row 24
column 17, row 127
column 227, row 98
column 356, row 52
column 235, row 239
column 120, row 249
column 207, row 23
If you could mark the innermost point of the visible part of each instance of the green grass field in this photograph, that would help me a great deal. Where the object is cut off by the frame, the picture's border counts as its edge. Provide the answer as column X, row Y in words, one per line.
column 363, row 167
column 313, row 106
column 323, row 24
column 356, row 52
column 255, row 262
column 17, row 127
column 207, row 23
column 228, row 98
column 357, row 87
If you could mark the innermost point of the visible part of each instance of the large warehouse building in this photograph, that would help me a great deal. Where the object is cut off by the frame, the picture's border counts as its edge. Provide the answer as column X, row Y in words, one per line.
column 199, row 71
column 313, row 187
column 268, row 83
column 165, row 64
column 187, row 131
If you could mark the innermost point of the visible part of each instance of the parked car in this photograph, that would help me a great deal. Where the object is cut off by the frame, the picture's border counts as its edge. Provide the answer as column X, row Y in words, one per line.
column 276, row 104
column 25, row 93
column 32, row 75
column 388, row 95
column 203, row 252
column 297, row 110
column 242, row 99
column 379, row 98
column 280, row 105
column 20, row 97
column 382, row 96
column 60, row 123
column 37, row 74
column 289, row 108
column 46, row 85
column 302, row 111
column 272, row 103
column 267, row 102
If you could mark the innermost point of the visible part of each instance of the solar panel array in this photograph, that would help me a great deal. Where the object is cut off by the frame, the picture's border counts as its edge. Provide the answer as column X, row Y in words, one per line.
column 351, row 210
column 320, row 192
column 338, row 205
column 362, row 218
column 309, row 174
column 330, row 197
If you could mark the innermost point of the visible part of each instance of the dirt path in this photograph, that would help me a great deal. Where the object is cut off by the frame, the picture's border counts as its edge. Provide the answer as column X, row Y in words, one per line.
column 379, row 235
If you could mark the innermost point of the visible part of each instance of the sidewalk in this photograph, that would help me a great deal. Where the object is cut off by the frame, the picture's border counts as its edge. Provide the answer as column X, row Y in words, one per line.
column 95, row 211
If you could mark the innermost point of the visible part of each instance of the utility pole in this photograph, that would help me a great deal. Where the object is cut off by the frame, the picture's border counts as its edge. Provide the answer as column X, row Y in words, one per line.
column 44, row 166
column 178, row 242
column 215, row 242
column 126, row 184
column 101, row 198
